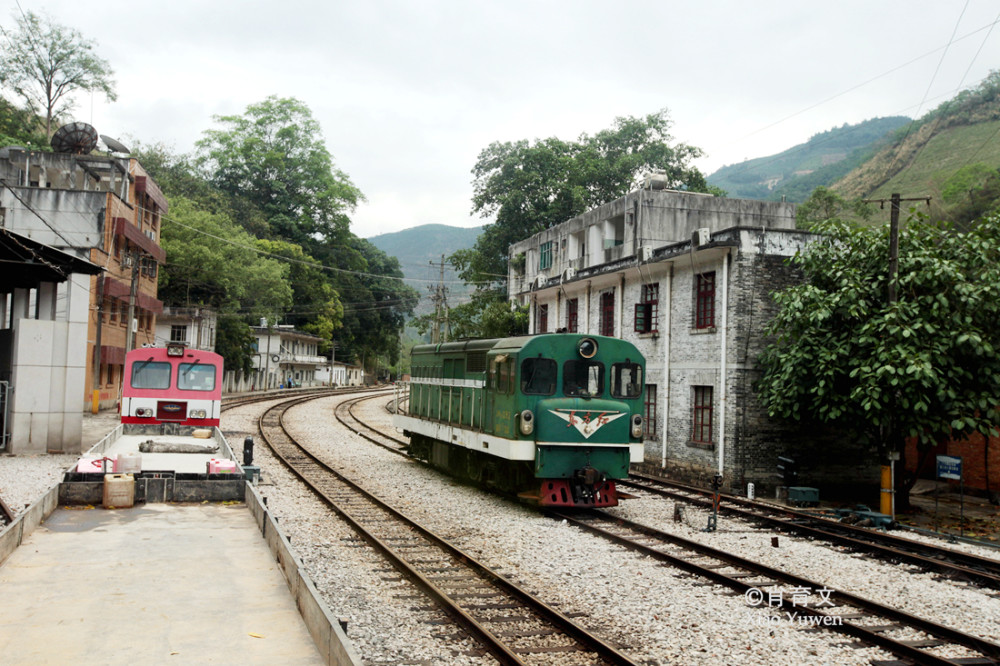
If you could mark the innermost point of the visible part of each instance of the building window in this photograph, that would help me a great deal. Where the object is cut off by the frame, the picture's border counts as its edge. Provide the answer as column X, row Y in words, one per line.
column 572, row 318
column 178, row 333
column 647, row 311
column 608, row 313
column 542, row 325
column 649, row 413
column 111, row 375
column 702, row 415
column 124, row 315
column 705, row 301
column 112, row 311
column 545, row 256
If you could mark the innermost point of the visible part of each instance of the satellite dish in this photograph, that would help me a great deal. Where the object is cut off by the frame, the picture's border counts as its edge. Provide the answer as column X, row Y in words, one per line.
column 114, row 145
column 75, row 138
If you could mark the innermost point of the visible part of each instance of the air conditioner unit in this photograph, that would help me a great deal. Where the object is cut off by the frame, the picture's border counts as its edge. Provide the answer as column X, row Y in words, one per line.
column 701, row 237
column 126, row 261
column 540, row 281
column 645, row 253
column 569, row 274
column 135, row 325
column 150, row 235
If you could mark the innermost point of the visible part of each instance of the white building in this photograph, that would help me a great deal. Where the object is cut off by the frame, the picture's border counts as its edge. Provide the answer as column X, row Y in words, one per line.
column 285, row 357
column 194, row 326
column 685, row 277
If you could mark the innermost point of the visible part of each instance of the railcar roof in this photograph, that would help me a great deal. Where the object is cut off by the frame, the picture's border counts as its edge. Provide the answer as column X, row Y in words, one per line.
column 507, row 344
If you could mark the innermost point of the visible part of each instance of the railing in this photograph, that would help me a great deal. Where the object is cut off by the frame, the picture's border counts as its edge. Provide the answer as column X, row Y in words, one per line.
column 5, row 390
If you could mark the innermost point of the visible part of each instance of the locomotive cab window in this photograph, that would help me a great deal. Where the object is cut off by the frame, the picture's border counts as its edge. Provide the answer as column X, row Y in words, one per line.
column 538, row 376
column 583, row 379
column 151, row 375
column 196, row 377
column 626, row 380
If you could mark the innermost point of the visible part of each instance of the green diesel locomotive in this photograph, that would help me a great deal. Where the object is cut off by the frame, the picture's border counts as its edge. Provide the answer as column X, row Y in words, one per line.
column 555, row 418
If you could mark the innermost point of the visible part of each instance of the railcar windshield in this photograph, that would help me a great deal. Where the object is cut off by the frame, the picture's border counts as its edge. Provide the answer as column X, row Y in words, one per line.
column 626, row 380
column 196, row 377
column 583, row 379
column 150, row 375
column 538, row 376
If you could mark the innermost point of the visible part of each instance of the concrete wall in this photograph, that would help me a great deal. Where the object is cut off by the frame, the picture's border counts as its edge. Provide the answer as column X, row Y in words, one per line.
column 49, row 360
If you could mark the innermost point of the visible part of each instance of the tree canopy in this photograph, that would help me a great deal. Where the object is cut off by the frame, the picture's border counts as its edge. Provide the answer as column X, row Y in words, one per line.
column 45, row 63
column 926, row 367
column 273, row 157
column 531, row 186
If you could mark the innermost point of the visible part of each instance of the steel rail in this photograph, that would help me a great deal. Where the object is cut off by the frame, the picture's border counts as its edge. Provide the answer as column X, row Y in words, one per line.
column 982, row 570
column 300, row 460
column 899, row 648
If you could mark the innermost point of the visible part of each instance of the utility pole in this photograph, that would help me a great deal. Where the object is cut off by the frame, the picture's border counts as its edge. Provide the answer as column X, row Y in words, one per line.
column 439, row 296
column 894, row 201
column 888, row 495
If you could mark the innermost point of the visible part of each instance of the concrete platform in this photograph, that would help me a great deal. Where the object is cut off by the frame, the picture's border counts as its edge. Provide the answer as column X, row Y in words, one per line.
column 160, row 583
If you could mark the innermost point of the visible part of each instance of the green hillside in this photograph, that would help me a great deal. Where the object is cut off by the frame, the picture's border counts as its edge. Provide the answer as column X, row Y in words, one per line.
column 796, row 172
column 416, row 247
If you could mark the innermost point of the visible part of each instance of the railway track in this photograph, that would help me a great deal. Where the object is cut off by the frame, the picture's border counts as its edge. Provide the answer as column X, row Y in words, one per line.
column 510, row 623
column 905, row 635
column 869, row 621
column 345, row 415
column 951, row 563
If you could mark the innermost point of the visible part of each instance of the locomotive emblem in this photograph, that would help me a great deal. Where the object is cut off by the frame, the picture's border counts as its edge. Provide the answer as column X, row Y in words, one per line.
column 586, row 422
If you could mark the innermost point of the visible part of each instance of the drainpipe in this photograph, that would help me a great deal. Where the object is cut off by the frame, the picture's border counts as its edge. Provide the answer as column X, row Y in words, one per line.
column 586, row 311
column 665, row 337
column 722, row 361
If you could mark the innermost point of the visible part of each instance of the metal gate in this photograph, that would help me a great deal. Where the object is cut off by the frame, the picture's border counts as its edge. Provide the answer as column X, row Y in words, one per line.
column 4, row 413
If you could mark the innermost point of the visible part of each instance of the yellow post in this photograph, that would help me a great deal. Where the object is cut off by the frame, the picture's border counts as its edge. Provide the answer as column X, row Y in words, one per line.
column 886, row 502
column 96, row 402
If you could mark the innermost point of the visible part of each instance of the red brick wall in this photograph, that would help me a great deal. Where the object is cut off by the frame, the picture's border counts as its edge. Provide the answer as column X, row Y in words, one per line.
column 973, row 464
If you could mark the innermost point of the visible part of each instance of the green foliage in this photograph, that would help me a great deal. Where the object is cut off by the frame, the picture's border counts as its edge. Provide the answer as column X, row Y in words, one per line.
column 273, row 158
column 211, row 261
column 529, row 187
column 45, row 64
column 19, row 127
column 823, row 205
column 926, row 367
column 964, row 181
column 234, row 341
column 488, row 315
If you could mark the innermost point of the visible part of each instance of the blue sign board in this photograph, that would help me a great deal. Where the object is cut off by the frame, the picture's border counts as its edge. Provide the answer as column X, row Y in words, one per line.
column 949, row 467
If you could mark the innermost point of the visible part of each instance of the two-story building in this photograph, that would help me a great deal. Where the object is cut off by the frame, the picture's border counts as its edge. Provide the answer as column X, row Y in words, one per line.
column 193, row 326
column 105, row 209
column 285, row 357
column 687, row 278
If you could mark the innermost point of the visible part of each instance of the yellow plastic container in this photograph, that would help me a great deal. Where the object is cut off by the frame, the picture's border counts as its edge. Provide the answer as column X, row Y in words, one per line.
column 119, row 491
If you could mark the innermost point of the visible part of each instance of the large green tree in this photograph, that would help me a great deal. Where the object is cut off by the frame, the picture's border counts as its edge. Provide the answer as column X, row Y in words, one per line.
column 211, row 261
column 273, row 158
column 531, row 186
column 926, row 367
column 45, row 63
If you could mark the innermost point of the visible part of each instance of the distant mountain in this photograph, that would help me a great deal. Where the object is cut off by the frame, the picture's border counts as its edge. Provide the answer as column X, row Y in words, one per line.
column 951, row 154
column 417, row 247
column 822, row 160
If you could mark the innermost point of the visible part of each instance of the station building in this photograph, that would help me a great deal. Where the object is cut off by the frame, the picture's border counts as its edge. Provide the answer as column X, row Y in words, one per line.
column 687, row 278
column 105, row 210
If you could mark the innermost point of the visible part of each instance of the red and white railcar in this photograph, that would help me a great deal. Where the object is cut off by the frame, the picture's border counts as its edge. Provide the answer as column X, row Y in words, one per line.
column 172, row 384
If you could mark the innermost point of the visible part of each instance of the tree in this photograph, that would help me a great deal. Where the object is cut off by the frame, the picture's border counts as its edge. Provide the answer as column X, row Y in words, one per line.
column 530, row 187
column 825, row 204
column 273, row 158
column 211, row 261
column 46, row 63
column 20, row 127
column 926, row 367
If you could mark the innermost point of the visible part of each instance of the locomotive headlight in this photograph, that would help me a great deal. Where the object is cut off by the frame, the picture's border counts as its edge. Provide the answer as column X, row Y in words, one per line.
column 197, row 413
column 636, row 426
column 144, row 412
column 587, row 347
column 527, row 422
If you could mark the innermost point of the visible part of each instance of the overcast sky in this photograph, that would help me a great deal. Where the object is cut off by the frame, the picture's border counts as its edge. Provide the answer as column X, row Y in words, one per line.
column 409, row 93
